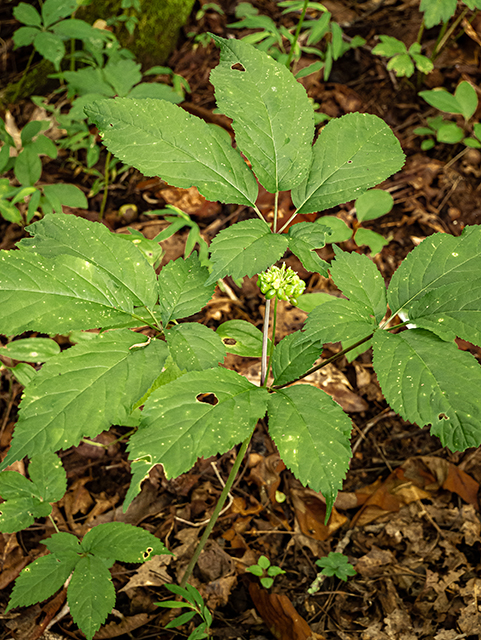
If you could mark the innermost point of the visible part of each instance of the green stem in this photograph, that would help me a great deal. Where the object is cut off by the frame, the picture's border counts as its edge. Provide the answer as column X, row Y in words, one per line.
column 420, row 32
column 276, row 209
column 24, row 76
column 106, row 185
column 445, row 34
column 274, row 321
column 54, row 523
column 265, row 338
column 217, row 510
column 296, row 34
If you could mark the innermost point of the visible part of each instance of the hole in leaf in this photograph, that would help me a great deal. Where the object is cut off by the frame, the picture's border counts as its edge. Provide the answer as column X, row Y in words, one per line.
column 207, row 398
column 238, row 67
column 229, row 341
column 442, row 416
column 147, row 552
column 349, row 162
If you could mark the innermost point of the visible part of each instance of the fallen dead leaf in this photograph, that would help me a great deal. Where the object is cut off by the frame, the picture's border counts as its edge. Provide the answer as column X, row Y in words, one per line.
column 152, row 573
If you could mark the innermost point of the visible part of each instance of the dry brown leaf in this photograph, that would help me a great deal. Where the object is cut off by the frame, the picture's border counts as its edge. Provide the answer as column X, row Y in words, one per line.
column 126, row 625
column 152, row 573
column 279, row 615
column 310, row 512
column 190, row 201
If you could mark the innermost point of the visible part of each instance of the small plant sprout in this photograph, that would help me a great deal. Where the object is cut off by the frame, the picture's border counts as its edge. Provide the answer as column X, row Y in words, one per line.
column 265, row 571
column 335, row 564
column 196, row 605
column 403, row 61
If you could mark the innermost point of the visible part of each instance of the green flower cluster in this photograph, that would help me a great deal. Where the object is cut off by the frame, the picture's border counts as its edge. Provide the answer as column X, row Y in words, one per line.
column 282, row 282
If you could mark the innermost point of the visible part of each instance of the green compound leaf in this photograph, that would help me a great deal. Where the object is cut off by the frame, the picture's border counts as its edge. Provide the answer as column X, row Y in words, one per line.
column 24, row 36
column 389, row 47
column 27, row 14
column 122, row 541
column 272, row 117
column 338, row 228
column 426, row 389
column 242, row 338
column 245, row 249
column 64, row 546
column 303, row 238
column 438, row 284
column 312, row 434
column 464, row 101
column 352, row 153
column 40, row 580
column 51, row 47
column 360, row 280
column 57, row 295
column 48, row 477
column 182, row 290
column 121, row 261
column 159, row 138
column 292, row 357
column 83, row 391
column 31, row 349
column 53, row 10
column 437, row 11
column 179, row 425
column 195, row 347
column 90, row 594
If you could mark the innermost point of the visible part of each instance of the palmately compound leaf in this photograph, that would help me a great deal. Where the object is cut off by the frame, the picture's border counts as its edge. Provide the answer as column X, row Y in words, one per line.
column 161, row 139
column 83, row 391
column 303, row 238
column 25, row 499
column 360, row 280
column 352, row 154
column 179, row 423
column 57, row 295
column 272, row 117
column 121, row 261
column 90, row 594
column 40, row 580
column 195, row 347
column 312, row 434
column 242, row 338
column 428, row 381
column 182, row 290
column 245, row 249
column 292, row 357
column 122, row 541
column 437, row 285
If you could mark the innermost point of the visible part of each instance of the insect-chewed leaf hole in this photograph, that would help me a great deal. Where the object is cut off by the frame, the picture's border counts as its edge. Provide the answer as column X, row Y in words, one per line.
column 207, row 398
column 229, row 341
column 147, row 552
column 442, row 416
column 238, row 67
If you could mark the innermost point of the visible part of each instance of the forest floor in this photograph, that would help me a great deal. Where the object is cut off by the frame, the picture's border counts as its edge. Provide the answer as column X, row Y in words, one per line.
column 408, row 515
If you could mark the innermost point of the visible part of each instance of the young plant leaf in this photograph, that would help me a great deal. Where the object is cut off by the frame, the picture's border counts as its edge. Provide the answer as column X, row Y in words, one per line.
column 373, row 204
column 131, row 275
column 340, row 318
column 83, row 391
column 245, row 249
column 375, row 241
column 182, row 290
column 292, row 357
column 145, row 134
column 195, row 347
column 426, row 389
column 312, row 434
column 272, row 117
column 179, row 424
column 360, row 280
column 437, row 11
column 303, row 238
column 242, row 338
column 90, row 594
column 449, row 267
column 352, row 154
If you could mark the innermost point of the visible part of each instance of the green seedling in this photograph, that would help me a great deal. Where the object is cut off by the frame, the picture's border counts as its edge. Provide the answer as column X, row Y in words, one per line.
column 128, row 16
column 196, row 605
column 370, row 205
column 265, row 571
column 335, row 564
column 170, row 386
column 463, row 102
column 403, row 61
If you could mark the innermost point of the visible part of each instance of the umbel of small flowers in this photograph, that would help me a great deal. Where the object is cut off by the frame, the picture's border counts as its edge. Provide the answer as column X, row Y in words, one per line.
column 281, row 282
